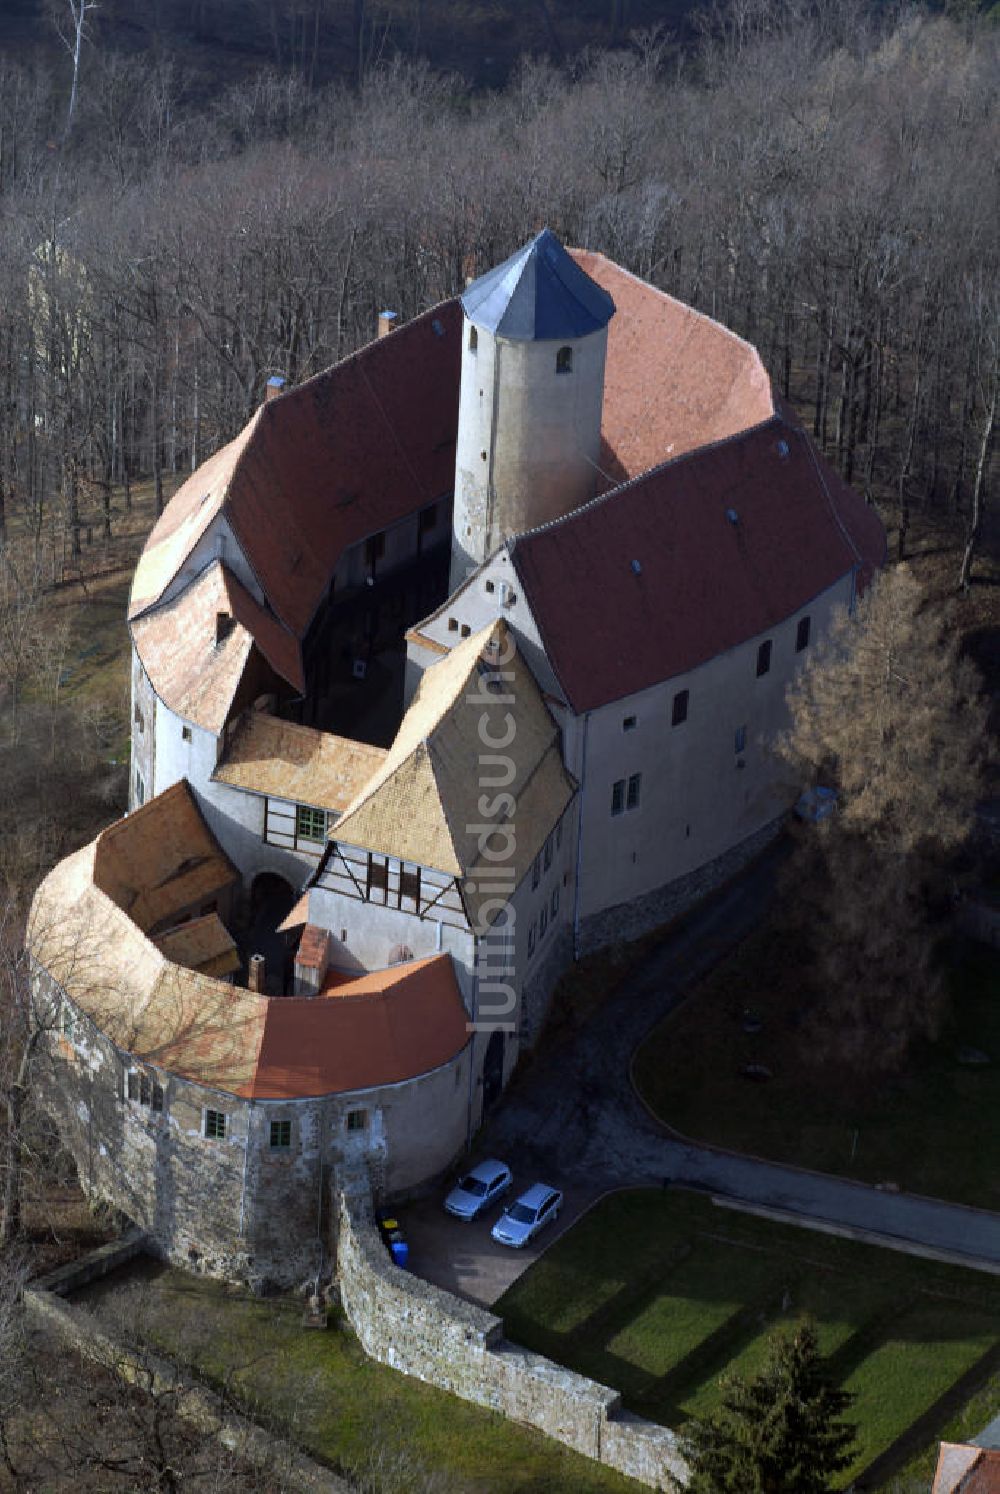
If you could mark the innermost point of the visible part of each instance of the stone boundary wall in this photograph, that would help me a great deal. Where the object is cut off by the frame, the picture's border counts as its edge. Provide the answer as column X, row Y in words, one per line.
column 627, row 921
column 199, row 1405
column 423, row 1331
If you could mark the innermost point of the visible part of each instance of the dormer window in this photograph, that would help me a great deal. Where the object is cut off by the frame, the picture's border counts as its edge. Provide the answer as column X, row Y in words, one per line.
column 473, row 339
column 564, row 360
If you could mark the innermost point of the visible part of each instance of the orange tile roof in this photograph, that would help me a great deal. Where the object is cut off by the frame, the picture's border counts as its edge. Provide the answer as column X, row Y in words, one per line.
column 323, row 466
column 202, row 944
column 161, row 858
column 674, row 379
column 381, row 1028
column 197, row 677
column 287, row 761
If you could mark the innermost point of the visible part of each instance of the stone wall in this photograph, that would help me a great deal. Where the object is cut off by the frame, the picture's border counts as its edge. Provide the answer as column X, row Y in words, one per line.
column 630, row 920
column 423, row 1331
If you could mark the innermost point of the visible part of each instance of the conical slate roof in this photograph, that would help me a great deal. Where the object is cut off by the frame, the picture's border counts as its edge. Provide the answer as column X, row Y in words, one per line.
column 539, row 294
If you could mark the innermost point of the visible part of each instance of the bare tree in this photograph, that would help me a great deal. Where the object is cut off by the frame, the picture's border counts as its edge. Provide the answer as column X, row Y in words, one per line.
column 72, row 32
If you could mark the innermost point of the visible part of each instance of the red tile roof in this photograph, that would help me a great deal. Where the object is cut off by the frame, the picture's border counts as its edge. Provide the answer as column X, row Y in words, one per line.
column 332, row 461
column 966, row 1469
column 705, row 584
column 382, row 1028
column 674, row 380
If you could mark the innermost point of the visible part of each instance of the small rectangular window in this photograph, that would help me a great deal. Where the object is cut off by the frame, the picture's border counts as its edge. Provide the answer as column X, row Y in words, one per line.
column 629, row 723
column 145, row 1089
column 140, row 789
column 378, row 877
column 679, row 714
column 764, row 658
column 466, row 630
column 409, row 888
column 740, row 740
column 427, row 518
column 802, row 635
column 281, row 1135
column 357, row 1120
column 374, row 548
column 310, row 824
column 453, row 625
column 491, row 586
column 132, row 1085
column 632, row 797
column 157, row 1100
column 215, row 1125
column 186, row 733
column 618, row 796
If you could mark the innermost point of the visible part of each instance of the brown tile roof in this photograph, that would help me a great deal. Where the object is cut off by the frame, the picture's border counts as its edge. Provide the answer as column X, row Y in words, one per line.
column 674, row 379
column 269, row 756
column 383, row 1028
column 313, row 947
column 323, row 466
column 965, row 1469
column 423, row 803
column 161, row 859
column 191, row 673
column 380, row 1029
column 705, row 583
column 202, row 944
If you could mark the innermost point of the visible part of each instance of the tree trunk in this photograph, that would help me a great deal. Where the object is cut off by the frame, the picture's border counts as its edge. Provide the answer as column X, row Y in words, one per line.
column 978, row 492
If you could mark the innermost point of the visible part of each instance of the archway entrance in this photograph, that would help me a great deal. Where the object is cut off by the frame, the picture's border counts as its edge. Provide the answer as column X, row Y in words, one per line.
column 271, row 900
column 493, row 1072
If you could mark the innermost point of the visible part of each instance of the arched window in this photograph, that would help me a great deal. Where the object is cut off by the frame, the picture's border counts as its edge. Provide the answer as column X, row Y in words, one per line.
column 473, row 339
column 564, row 360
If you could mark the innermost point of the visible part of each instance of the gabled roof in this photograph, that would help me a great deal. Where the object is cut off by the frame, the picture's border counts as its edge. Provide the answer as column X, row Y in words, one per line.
column 966, row 1469
column 538, row 294
column 383, row 1028
column 287, row 761
column 323, row 466
column 423, row 804
column 660, row 575
column 160, row 859
column 194, row 675
column 202, row 944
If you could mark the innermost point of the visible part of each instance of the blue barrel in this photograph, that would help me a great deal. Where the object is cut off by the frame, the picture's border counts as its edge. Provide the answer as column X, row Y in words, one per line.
column 400, row 1253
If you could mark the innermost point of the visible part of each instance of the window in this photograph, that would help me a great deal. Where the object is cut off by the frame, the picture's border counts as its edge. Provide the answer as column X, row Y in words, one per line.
column 453, row 625
column 143, row 1090
column 764, row 658
column 374, row 548
column 802, row 635
column 138, row 718
column 310, row 824
column 564, row 360
column 543, row 920
column 132, row 1089
column 466, row 630
column 618, row 796
column 532, row 934
column 378, row 877
column 215, row 1125
column 281, row 1135
column 357, row 1120
column 185, row 733
column 679, row 713
column 632, row 795
column 536, row 872
column 547, row 858
column 427, row 519
column 473, row 340
column 740, row 740
column 140, row 789
column 409, row 888
column 156, row 1102
column 554, row 906
column 629, row 724
column 491, row 586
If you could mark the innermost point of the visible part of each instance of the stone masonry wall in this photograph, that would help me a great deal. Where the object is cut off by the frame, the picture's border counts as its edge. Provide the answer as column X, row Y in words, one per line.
column 629, row 921
column 423, row 1331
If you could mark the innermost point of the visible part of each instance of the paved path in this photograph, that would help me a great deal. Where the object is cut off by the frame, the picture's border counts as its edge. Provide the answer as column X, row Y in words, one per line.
column 574, row 1115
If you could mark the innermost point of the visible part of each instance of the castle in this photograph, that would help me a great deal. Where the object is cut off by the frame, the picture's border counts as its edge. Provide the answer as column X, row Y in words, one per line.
column 457, row 663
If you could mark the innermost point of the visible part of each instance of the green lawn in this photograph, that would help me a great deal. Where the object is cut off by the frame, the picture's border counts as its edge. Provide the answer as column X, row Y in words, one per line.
column 659, row 1294
column 363, row 1418
column 936, row 1130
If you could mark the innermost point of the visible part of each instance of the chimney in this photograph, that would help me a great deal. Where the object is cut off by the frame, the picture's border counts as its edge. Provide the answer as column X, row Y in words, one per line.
column 386, row 322
column 276, row 385
column 257, row 981
column 224, row 624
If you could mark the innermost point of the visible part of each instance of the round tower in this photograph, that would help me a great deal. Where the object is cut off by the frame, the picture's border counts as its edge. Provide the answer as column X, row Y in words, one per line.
column 535, row 335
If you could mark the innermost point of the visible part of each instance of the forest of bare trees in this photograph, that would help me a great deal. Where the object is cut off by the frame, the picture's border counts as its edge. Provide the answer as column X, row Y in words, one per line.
column 821, row 178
